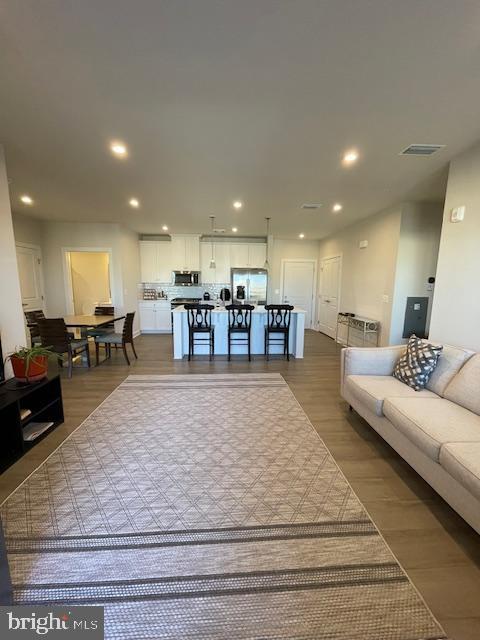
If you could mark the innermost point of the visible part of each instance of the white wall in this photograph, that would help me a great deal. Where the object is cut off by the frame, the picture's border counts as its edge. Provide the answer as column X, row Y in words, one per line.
column 417, row 256
column 28, row 230
column 456, row 303
column 129, row 253
column 287, row 249
column 12, row 323
column 368, row 274
column 72, row 235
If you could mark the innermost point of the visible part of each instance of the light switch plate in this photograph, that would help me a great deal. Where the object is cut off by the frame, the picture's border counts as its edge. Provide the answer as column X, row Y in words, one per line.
column 457, row 214
column 385, row 298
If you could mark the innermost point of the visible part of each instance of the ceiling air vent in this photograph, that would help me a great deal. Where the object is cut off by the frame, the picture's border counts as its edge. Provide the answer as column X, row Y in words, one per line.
column 421, row 149
column 311, row 205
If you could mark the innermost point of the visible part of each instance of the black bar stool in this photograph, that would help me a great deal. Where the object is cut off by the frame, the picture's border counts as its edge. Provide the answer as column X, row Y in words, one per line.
column 278, row 321
column 239, row 323
column 200, row 321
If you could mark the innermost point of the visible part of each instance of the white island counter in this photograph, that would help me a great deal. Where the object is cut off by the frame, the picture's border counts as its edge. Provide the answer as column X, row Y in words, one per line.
column 220, row 322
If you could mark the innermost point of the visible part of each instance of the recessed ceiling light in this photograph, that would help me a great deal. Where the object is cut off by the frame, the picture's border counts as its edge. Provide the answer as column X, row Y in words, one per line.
column 234, row 229
column 164, row 228
column 337, row 207
column 133, row 202
column 119, row 149
column 301, row 235
column 237, row 204
column 350, row 157
column 26, row 199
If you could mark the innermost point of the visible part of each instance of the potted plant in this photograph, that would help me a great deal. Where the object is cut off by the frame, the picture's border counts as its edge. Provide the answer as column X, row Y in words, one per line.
column 30, row 364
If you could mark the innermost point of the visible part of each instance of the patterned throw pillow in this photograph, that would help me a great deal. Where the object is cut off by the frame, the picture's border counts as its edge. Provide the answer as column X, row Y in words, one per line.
column 417, row 365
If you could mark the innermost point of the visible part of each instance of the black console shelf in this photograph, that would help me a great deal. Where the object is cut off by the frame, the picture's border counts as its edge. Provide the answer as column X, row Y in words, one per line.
column 44, row 401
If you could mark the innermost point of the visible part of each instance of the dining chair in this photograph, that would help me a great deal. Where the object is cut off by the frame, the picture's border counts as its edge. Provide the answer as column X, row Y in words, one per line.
column 32, row 318
column 124, row 338
column 200, row 322
column 106, row 328
column 54, row 334
column 278, row 322
column 239, row 324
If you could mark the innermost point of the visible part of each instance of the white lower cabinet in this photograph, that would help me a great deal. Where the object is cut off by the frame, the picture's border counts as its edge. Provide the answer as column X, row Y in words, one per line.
column 155, row 316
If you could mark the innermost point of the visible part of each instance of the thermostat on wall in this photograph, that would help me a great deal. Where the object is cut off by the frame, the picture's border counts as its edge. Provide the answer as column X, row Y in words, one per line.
column 457, row 214
column 363, row 244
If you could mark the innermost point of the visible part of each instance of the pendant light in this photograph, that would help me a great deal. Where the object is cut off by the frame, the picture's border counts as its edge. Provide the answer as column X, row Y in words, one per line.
column 266, row 264
column 212, row 259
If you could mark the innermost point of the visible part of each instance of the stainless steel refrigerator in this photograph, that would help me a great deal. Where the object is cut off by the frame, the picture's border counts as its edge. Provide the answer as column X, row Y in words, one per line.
column 255, row 282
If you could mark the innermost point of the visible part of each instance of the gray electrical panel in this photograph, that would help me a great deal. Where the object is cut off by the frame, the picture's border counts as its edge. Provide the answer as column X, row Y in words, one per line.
column 416, row 317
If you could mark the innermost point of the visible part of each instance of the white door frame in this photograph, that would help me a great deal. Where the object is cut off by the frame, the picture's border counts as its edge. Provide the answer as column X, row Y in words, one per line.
column 67, row 274
column 313, row 261
column 37, row 247
column 340, row 273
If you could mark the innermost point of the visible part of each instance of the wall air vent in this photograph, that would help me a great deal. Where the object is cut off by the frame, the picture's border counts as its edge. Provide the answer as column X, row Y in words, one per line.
column 421, row 149
column 311, row 205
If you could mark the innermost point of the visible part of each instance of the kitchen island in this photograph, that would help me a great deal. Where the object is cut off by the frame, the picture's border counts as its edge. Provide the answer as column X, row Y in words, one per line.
column 220, row 322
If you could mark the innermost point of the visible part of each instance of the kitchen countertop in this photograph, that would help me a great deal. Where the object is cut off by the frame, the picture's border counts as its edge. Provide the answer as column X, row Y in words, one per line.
column 221, row 309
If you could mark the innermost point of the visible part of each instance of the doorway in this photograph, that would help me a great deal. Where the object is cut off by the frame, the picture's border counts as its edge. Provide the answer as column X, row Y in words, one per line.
column 29, row 260
column 88, row 281
column 298, row 286
column 329, row 294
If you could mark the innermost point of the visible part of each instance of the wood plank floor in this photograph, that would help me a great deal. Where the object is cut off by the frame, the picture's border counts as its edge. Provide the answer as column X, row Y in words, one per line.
column 439, row 551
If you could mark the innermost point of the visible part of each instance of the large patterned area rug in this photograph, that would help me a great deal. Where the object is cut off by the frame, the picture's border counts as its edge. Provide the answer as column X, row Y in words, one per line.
column 207, row 507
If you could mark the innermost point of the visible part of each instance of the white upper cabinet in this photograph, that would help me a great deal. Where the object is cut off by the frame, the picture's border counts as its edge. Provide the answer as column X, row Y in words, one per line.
column 164, row 261
column 257, row 253
column 238, row 255
column 221, row 273
column 222, row 262
column 155, row 261
column 207, row 275
column 247, row 255
column 185, row 253
column 148, row 261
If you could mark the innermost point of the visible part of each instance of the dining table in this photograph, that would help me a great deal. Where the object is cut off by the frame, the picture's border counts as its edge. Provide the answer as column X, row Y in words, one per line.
column 85, row 322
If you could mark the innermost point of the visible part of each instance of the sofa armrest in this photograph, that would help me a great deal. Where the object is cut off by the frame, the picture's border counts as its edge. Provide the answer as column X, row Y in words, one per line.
column 378, row 361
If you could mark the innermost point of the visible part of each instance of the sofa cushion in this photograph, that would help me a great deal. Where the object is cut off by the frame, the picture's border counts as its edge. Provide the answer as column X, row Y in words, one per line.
column 462, row 461
column 464, row 389
column 449, row 363
column 417, row 365
column 430, row 423
column 372, row 391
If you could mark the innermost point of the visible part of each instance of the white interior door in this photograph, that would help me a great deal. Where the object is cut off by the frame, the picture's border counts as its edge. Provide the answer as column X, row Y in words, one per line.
column 329, row 295
column 298, row 286
column 29, row 261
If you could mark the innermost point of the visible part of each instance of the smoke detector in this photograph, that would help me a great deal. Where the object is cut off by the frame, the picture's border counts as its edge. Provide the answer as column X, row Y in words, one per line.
column 421, row 149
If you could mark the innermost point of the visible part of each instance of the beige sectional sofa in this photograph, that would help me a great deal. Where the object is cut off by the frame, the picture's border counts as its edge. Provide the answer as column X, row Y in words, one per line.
column 436, row 430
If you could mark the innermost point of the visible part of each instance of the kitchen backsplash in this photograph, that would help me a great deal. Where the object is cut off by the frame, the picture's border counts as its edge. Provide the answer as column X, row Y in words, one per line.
column 171, row 291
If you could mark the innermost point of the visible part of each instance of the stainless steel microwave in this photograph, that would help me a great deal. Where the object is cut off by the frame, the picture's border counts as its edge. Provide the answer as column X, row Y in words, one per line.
column 186, row 278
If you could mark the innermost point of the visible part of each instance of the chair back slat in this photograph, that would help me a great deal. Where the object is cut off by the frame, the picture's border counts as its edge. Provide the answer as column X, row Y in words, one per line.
column 105, row 310
column 199, row 315
column 240, row 316
column 127, row 331
column 53, row 333
column 279, row 316
column 32, row 318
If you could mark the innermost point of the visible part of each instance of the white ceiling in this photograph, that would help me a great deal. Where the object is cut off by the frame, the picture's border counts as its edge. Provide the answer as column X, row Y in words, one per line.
column 226, row 99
